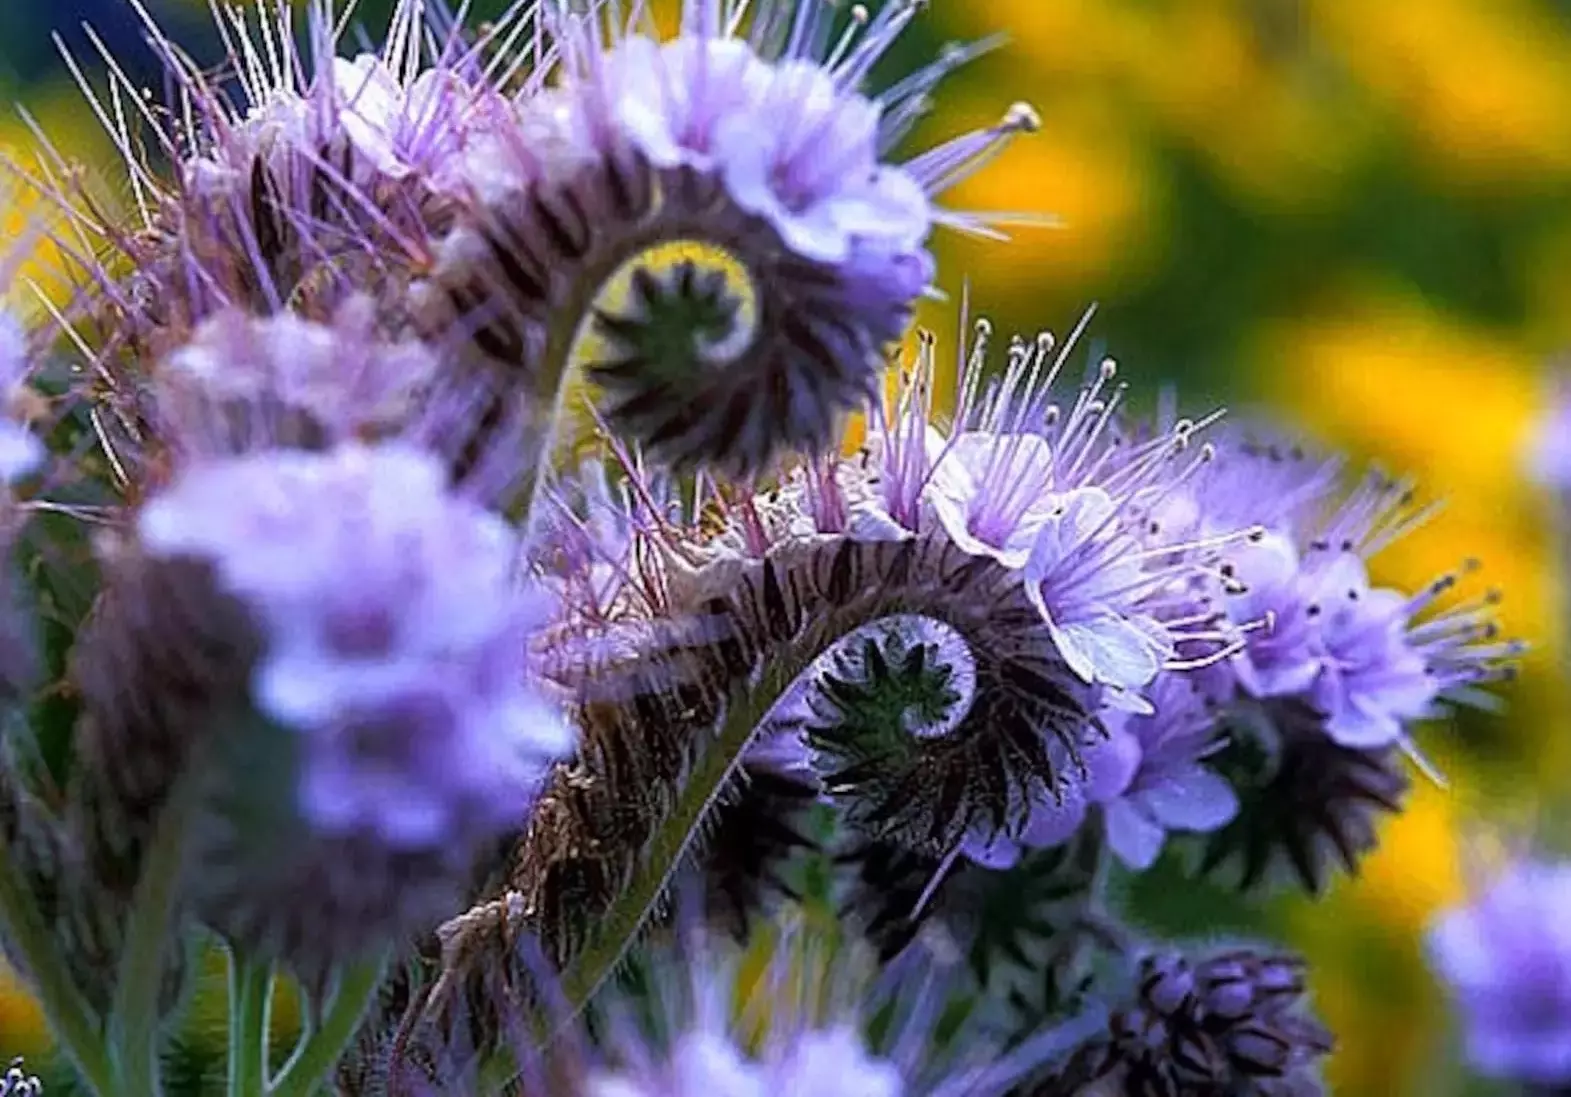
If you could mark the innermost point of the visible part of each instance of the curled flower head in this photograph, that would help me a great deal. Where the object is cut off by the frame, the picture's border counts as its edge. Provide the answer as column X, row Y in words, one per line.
column 1505, row 957
column 711, row 228
column 395, row 727
column 1059, row 499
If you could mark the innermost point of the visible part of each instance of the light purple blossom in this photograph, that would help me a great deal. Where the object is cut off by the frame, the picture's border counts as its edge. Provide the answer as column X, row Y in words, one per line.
column 245, row 383
column 20, row 450
column 789, row 133
column 393, row 116
column 829, row 1062
column 1372, row 680
column 396, row 637
column 1169, row 788
column 1506, row 959
column 1085, row 576
column 1311, row 625
column 1548, row 459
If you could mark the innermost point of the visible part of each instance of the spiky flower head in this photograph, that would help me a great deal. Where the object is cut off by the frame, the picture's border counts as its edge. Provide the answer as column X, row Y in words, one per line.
column 1228, row 1023
column 711, row 228
column 387, row 725
column 1505, row 959
column 1346, row 668
column 1308, row 805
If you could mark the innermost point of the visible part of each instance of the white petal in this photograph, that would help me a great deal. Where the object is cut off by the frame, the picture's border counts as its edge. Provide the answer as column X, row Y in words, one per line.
column 1107, row 648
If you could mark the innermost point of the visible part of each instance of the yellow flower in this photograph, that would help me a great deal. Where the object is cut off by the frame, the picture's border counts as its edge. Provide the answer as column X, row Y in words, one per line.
column 1482, row 84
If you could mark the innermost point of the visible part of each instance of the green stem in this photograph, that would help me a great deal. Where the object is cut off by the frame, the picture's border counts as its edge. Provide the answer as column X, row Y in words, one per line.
column 250, row 996
column 317, row 1054
column 71, row 1022
column 134, row 1020
column 619, row 926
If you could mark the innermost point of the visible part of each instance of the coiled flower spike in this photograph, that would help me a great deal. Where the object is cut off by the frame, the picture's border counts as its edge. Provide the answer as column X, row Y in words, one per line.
column 726, row 283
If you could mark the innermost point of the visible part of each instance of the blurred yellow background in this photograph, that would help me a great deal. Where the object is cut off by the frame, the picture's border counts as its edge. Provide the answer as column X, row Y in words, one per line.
column 1353, row 216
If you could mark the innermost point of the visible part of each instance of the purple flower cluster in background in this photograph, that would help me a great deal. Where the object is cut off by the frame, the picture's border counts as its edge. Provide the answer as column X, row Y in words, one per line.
column 1505, row 957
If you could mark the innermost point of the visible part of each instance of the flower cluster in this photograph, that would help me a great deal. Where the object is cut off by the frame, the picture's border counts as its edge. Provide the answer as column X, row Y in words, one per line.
column 475, row 559
column 1506, row 959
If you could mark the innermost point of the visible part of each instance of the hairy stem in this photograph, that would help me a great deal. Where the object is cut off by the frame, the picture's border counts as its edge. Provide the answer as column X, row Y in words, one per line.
column 250, row 996
column 70, row 1021
column 134, row 1018
column 317, row 1054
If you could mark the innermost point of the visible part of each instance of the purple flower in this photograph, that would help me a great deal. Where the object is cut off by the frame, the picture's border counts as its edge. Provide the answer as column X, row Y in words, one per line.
column 395, row 636
column 248, row 383
column 1310, row 624
column 398, row 728
column 1506, row 959
column 722, row 207
column 20, row 450
column 1085, row 575
column 1280, row 660
column 1549, row 454
column 1169, row 789
column 1371, row 680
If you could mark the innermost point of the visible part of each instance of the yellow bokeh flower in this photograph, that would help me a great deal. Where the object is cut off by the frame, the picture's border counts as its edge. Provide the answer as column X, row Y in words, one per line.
column 1481, row 84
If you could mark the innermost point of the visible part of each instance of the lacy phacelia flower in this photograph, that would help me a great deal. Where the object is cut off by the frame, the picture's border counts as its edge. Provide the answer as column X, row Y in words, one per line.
column 1168, row 788
column 244, row 384
column 1372, row 661
column 1039, row 517
column 20, row 450
column 1506, row 958
column 392, row 679
column 710, row 227
column 1063, row 498
column 1062, row 494
column 323, row 178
